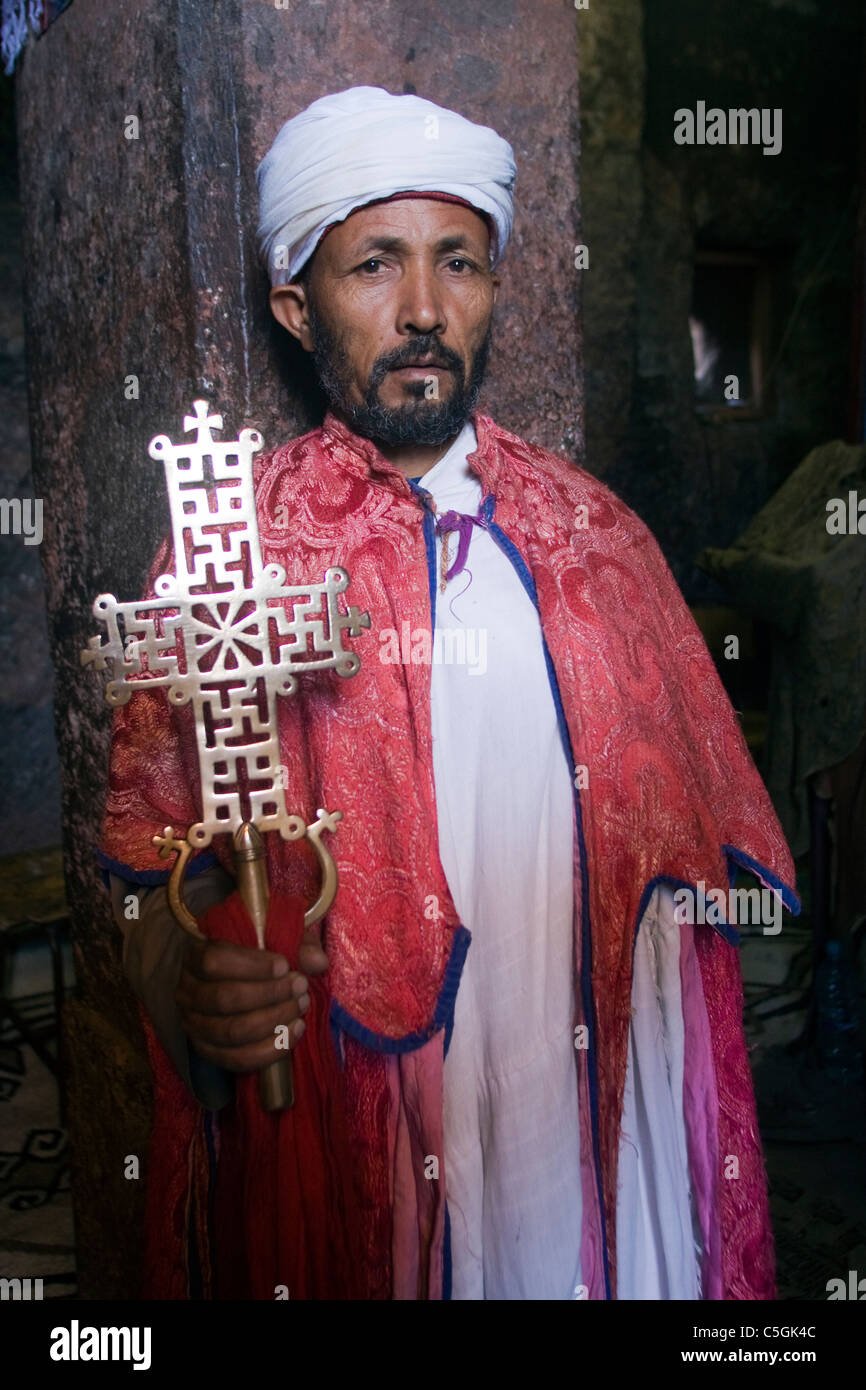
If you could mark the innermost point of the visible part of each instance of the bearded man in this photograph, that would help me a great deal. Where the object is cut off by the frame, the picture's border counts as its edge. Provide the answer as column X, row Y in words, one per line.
column 523, row 1072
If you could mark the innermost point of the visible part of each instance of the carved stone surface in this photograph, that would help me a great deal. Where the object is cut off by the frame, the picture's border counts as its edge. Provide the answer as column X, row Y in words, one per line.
column 140, row 261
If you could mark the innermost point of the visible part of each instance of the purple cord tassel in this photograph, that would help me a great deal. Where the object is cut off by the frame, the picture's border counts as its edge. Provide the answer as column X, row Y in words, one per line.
column 460, row 522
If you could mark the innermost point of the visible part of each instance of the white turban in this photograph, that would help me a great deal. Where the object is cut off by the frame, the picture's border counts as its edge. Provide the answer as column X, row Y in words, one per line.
column 353, row 147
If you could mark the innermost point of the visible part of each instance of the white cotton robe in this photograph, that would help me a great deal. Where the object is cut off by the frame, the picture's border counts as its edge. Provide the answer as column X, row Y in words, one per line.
column 511, row 1123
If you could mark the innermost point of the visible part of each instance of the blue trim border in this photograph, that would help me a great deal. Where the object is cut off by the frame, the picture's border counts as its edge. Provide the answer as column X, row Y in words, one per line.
column 443, row 1015
column 724, row 929
column 745, row 861
column 735, row 857
column 429, row 525
column 446, row 1258
column 151, row 878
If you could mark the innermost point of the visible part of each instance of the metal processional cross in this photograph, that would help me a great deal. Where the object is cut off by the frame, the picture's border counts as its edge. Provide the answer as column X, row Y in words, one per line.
column 218, row 635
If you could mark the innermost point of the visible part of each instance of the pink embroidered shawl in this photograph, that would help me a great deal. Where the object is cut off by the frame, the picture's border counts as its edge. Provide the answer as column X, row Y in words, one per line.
column 671, row 795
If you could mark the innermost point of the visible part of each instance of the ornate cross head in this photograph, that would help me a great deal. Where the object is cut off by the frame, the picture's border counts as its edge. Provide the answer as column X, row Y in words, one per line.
column 225, row 633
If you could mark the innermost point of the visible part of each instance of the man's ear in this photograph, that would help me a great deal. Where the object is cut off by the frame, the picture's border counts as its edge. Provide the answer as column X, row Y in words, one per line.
column 290, row 308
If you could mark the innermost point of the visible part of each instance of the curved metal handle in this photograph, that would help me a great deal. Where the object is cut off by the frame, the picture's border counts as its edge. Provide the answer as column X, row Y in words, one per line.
column 168, row 844
column 328, row 890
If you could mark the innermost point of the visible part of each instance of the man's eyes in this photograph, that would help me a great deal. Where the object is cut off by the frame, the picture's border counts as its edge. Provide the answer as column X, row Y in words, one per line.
column 374, row 261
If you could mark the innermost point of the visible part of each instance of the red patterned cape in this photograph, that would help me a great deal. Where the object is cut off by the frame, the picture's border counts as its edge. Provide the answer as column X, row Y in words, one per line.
column 671, row 795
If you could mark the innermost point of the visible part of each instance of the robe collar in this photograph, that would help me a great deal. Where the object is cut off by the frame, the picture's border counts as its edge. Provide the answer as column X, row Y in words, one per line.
column 361, row 456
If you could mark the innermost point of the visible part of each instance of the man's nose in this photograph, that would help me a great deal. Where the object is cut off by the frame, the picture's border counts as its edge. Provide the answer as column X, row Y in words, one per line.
column 420, row 309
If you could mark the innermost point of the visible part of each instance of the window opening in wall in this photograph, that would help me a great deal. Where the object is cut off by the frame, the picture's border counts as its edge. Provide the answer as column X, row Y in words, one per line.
column 729, row 326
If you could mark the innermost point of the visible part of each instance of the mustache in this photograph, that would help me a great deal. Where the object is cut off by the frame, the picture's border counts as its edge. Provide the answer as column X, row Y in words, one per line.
column 440, row 355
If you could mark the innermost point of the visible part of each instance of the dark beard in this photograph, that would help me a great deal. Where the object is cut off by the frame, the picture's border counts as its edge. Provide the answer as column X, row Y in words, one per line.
column 418, row 421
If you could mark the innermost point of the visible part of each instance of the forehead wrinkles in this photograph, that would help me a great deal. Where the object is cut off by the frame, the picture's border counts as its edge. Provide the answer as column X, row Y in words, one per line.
column 415, row 230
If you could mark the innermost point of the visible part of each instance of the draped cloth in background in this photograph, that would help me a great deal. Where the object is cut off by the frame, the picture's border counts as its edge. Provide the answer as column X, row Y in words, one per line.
column 808, row 583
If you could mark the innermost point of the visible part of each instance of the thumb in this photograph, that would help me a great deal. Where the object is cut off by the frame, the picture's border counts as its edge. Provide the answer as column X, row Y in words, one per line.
column 311, row 955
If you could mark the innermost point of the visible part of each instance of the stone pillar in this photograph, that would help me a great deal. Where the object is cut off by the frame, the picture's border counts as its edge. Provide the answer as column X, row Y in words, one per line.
column 612, row 74
column 140, row 263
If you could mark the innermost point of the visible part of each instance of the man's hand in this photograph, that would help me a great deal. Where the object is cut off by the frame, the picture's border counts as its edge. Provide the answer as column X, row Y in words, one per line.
column 232, row 998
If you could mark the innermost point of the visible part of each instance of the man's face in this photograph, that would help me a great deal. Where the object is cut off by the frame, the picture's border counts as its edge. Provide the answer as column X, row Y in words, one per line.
column 394, row 285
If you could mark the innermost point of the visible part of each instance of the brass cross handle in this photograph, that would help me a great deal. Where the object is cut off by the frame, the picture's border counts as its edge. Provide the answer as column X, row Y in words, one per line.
column 249, row 852
column 167, row 844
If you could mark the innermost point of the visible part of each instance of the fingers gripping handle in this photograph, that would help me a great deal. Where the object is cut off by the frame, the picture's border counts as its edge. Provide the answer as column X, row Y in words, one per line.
column 275, row 1082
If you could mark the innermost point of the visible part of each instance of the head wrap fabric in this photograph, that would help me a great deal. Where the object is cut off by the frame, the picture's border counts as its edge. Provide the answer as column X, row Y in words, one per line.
column 437, row 197
column 364, row 145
